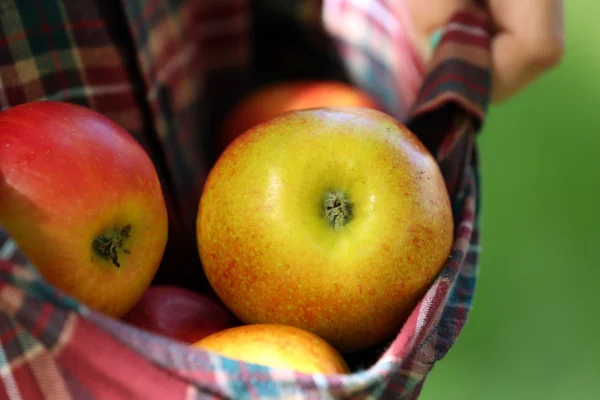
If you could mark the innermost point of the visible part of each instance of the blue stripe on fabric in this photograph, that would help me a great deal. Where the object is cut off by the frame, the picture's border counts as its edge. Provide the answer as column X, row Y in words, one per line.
column 435, row 38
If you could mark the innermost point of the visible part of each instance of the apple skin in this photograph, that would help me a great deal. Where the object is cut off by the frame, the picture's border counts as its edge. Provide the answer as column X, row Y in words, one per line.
column 179, row 314
column 276, row 346
column 273, row 257
column 79, row 195
column 271, row 100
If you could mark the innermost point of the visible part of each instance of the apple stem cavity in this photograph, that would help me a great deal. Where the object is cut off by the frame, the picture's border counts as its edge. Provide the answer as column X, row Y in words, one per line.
column 337, row 208
column 107, row 245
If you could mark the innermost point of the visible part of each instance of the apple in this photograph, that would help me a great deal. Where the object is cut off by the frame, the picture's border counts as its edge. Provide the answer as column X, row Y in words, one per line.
column 179, row 314
column 83, row 201
column 271, row 100
column 276, row 346
column 334, row 220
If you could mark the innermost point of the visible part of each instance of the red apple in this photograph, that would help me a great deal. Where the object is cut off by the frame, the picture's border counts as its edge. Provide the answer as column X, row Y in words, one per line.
column 276, row 346
column 334, row 220
column 272, row 100
column 83, row 201
column 179, row 314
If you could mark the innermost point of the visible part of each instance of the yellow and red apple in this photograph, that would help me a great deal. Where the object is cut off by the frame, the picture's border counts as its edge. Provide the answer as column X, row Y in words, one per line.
column 83, row 201
column 334, row 220
column 276, row 346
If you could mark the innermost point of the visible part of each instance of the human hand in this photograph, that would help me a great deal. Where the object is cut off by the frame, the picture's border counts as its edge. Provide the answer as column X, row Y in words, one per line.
column 528, row 37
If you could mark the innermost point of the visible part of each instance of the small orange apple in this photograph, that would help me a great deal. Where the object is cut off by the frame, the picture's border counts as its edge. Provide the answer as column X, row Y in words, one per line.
column 334, row 220
column 270, row 101
column 276, row 346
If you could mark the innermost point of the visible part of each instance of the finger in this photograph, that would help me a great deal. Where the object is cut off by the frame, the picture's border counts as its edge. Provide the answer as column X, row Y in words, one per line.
column 529, row 40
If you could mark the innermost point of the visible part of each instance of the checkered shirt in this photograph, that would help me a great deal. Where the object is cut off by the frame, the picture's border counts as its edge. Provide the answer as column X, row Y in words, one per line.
column 167, row 71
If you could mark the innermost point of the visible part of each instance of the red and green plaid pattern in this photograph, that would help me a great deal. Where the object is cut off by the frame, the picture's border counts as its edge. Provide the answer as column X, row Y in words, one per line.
column 164, row 92
column 65, row 51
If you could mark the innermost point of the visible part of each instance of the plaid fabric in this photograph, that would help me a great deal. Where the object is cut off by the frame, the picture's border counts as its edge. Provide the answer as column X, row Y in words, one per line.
column 374, row 38
column 155, row 67
column 53, row 347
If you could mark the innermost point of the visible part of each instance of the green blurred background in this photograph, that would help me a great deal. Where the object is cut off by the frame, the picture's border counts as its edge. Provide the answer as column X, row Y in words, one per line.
column 533, row 331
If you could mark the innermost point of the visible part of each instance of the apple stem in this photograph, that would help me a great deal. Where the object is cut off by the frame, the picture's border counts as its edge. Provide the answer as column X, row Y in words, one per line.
column 337, row 209
column 107, row 245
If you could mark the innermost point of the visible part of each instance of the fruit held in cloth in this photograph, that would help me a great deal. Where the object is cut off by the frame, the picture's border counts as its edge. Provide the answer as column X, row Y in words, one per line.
column 83, row 201
column 179, row 314
column 276, row 346
column 334, row 220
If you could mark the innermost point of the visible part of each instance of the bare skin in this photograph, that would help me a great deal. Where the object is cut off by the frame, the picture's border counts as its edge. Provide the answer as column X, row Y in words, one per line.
column 528, row 39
